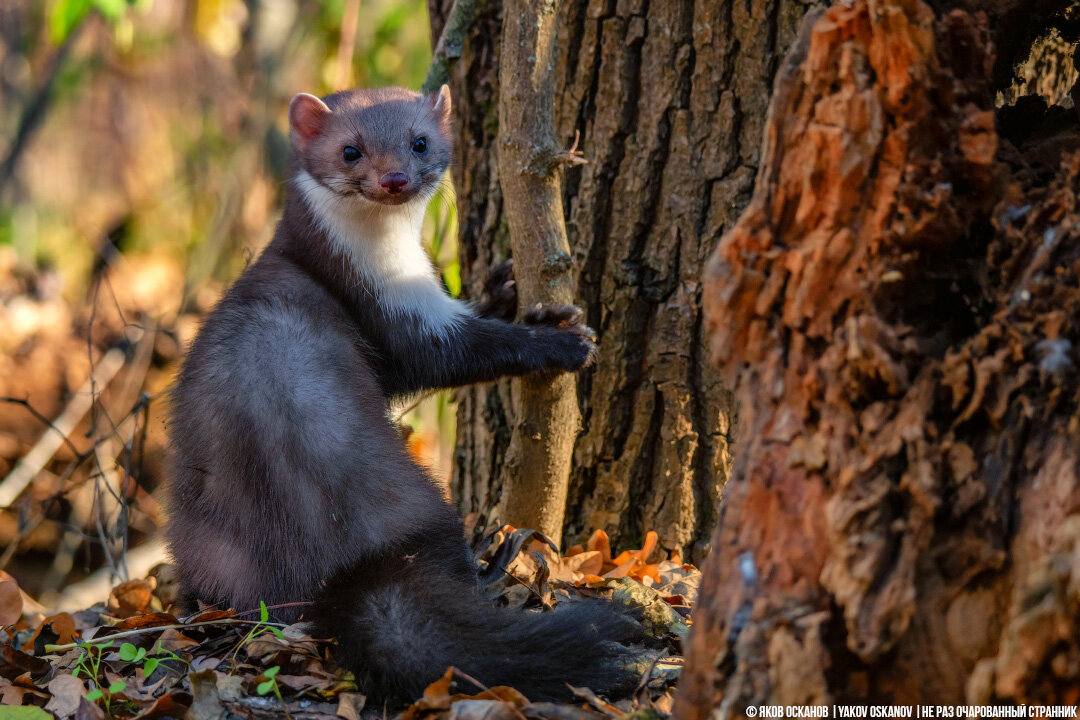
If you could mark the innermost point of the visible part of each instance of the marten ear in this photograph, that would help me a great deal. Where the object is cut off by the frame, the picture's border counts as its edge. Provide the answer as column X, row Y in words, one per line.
column 307, row 115
column 440, row 102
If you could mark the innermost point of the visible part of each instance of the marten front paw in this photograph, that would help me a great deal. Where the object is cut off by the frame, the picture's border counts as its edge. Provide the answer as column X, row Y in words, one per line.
column 500, row 293
column 578, row 346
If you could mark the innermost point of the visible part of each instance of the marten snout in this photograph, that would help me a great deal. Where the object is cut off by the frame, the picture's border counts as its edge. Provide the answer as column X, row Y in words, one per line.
column 394, row 182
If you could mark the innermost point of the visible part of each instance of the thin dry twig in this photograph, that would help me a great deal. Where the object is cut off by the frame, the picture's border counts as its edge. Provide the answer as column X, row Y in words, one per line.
column 142, row 631
column 279, row 606
column 35, row 111
column 573, row 156
column 32, row 463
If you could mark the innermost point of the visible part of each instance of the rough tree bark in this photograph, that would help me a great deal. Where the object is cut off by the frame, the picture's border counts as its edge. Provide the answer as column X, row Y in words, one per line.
column 669, row 99
column 537, row 471
column 897, row 311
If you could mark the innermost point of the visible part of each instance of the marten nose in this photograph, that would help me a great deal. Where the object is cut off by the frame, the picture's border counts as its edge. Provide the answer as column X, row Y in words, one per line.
column 394, row 182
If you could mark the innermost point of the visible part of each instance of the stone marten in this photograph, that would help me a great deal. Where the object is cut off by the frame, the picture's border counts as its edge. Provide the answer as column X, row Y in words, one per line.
column 291, row 482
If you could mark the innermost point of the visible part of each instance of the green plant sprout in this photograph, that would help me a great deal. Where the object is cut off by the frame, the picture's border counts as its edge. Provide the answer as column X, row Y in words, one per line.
column 271, row 684
column 260, row 627
column 89, row 664
column 130, row 653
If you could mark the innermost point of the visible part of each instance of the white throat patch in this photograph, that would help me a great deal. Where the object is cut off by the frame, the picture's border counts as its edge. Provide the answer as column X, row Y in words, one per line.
column 383, row 244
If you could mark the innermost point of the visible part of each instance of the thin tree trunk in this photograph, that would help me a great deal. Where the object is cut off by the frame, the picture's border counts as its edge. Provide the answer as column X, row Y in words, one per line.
column 897, row 312
column 542, row 440
column 669, row 99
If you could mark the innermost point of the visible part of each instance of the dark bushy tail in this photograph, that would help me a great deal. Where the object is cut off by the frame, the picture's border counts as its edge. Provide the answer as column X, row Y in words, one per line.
column 400, row 626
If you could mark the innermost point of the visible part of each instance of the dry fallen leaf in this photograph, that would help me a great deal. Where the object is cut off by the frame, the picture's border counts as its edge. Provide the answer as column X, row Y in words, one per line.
column 132, row 598
column 206, row 703
column 67, row 691
column 481, row 710
column 11, row 694
column 11, row 604
column 88, row 711
column 208, row 615
column 58, row 629
column 166, row 706
column 14, row 662
column 349, row 705
column 600, row 542
column 146, row 621
column 310, row 685
column 436, row 697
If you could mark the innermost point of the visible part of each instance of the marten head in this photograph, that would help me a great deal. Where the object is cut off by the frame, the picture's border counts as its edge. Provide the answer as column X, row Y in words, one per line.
column 385, row 145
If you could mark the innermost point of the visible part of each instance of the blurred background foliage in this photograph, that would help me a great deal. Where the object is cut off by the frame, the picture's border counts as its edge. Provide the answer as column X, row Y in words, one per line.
column 143, row 152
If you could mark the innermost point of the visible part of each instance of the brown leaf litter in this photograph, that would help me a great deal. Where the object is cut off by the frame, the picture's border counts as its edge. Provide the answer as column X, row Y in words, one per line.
column 131, row 658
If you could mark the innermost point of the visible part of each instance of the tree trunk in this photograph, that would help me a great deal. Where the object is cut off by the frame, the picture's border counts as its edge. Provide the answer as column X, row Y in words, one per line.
column 896, row 311
column 669, row 99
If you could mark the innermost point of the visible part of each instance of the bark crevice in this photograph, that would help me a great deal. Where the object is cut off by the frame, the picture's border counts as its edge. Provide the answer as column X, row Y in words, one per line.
column 669, row 100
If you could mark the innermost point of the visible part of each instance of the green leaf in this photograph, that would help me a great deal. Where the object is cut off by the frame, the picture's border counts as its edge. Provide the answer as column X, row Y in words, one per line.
column 94, row 694
column 271, row 672
column 128, row 652
column 277, row 633
column 151, row 666
column 117, row 687
column 265, row 687
column 264, row 614
column 26, row 712
column 65, row 16
column 452, row 277
column 75, row 672
column 111, row 9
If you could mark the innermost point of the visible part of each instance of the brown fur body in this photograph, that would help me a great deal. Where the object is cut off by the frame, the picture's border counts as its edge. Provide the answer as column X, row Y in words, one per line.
column 288, row 472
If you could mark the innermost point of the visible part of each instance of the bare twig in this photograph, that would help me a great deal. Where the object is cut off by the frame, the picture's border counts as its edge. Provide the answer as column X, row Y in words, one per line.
column 32, row 463
column 573, row 156
column 279, row 606
column 34, row 112
column 158, row 628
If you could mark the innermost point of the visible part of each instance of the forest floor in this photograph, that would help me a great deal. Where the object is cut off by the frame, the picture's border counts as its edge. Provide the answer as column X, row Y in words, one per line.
column 129, row 657
column 88, row 503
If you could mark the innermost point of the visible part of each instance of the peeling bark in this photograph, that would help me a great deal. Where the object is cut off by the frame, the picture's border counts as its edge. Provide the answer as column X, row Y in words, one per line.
column 669, row 99
column 897, row 312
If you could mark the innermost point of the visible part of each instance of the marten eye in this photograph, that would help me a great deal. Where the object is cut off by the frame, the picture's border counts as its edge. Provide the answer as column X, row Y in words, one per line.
column 350, row 154
column 419, row 146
